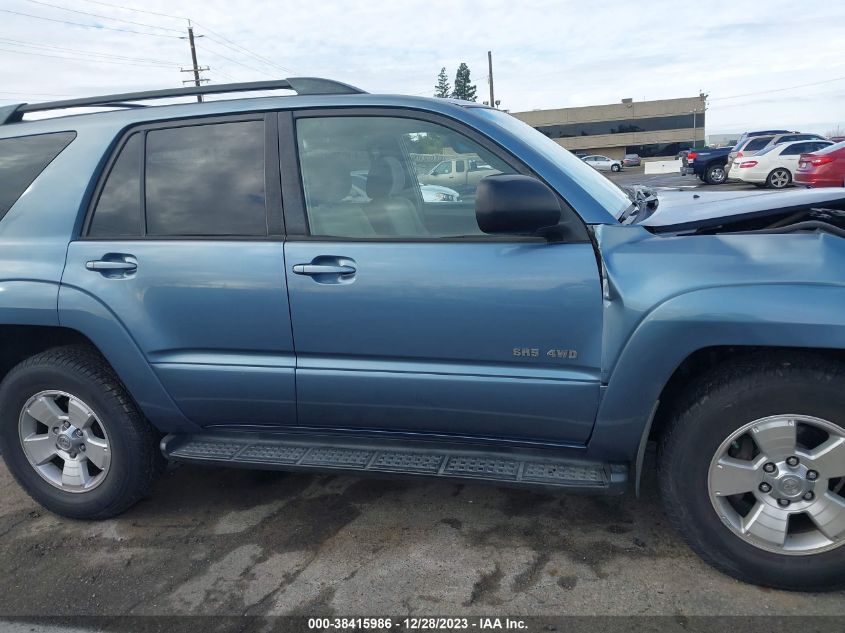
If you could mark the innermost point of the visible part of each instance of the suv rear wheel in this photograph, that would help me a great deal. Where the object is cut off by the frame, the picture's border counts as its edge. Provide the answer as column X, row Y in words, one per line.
column 752, row 471
column 715, row 175
column 72, row 437
column 779, row 178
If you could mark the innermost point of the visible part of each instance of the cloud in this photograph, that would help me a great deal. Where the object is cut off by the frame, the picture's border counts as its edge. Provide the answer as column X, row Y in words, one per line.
column 547, row 53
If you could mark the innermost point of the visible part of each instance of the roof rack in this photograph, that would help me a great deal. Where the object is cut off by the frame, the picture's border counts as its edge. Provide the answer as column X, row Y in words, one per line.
column 301, row 85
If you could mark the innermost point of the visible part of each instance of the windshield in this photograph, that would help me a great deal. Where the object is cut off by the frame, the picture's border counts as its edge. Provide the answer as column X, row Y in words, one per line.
column 600, row 188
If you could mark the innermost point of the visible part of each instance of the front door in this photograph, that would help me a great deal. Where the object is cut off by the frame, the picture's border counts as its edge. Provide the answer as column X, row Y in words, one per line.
column 187, row 264
column 406, row 317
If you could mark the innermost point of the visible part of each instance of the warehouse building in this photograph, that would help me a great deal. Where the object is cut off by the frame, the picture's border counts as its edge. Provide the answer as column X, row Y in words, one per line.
column 649, row 128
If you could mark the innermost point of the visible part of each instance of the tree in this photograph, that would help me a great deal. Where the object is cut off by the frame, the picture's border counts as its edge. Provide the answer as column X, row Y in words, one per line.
column 837, row 131
column 442, row 88
column 463, row 88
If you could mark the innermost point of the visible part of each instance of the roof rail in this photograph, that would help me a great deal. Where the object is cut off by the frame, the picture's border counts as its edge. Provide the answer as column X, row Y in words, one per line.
column 301, row 85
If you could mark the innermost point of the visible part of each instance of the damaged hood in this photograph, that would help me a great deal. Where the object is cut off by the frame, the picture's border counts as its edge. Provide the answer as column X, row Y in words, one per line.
column 682, row 210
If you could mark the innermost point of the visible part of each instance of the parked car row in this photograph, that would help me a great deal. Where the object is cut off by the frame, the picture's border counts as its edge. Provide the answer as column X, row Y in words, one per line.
column 775, row 165
column 770, row 158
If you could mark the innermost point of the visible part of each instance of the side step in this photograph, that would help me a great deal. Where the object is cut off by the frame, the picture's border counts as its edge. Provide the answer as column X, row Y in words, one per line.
column 293, row 451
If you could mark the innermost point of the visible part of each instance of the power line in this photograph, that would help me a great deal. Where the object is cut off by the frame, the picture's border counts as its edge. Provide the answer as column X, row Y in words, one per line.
column 231, row 44
column 118, row 6
column 105, row 17
column 38, row 94
column 763, row 92
column 234, row 61
column 87, row 26
column 243, row 49
column 85, row 52
column 87, row 59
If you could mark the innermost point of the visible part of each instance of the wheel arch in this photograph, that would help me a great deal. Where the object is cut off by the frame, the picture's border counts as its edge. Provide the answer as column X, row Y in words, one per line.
column 691, row 333
column 19, row 342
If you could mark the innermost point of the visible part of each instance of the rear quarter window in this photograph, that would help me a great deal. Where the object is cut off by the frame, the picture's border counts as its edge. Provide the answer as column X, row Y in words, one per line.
column 22, row 159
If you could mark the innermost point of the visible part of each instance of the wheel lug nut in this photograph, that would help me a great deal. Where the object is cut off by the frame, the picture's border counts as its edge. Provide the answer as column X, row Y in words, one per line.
column 55, row 430
column 784, row 502
column 82, row 448
column 764, row 487
column 77, row 433
column 792, row 461
column 770, row 467
column 812, row 475
column 809, row 496
column 72, row 454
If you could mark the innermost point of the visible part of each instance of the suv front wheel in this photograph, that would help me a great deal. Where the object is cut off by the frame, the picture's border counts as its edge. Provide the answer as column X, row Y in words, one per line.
column 72, row 437
column 752, row 471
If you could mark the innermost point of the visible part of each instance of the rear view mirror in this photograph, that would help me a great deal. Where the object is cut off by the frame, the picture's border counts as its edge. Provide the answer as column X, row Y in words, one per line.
column 515, row 204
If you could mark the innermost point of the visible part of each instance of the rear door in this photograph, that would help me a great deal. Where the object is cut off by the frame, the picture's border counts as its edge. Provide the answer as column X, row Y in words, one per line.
column 183, row 245
column 406, row 317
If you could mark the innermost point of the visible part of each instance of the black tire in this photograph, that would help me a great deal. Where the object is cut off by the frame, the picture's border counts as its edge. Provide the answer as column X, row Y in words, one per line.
column 81, row 371
column 721, row 403
column 775, row 179
column 715, row 175
column 615, row 168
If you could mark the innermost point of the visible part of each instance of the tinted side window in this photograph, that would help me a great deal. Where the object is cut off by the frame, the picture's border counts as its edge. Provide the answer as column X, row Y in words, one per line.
column 22, row 159
column 206, row 180
column 757, row 143
column 118, row 211
column 795, row 149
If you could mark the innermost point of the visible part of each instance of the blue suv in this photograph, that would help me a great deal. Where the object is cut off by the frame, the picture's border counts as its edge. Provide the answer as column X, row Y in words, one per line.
column 261, row 283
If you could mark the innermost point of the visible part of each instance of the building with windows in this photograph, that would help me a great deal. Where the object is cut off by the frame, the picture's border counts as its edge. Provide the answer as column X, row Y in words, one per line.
column 649, row 128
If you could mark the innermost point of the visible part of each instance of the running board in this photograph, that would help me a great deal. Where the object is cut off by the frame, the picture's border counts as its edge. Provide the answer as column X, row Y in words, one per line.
column 299, row 452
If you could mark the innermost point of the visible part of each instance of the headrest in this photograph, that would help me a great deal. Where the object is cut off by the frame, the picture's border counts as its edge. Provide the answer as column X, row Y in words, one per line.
column 326, row 177
column 386, row 178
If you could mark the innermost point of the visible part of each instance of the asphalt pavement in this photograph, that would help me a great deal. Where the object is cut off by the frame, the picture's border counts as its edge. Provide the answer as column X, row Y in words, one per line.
column 211, row 541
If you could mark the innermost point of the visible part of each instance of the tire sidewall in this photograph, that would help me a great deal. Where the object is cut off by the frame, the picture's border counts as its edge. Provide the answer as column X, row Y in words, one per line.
column 771, row 175
column 685, row 474
column 21, row 385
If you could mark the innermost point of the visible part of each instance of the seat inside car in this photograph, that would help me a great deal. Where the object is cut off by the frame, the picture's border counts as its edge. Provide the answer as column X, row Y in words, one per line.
column 390, row 210
column 328, row 182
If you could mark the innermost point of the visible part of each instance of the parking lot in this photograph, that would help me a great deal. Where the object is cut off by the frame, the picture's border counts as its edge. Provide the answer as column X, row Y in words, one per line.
column 215, row 541
column 637, row 175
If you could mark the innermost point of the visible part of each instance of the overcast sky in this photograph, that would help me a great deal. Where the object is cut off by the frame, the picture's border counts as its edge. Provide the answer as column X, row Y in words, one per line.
column 546, row 54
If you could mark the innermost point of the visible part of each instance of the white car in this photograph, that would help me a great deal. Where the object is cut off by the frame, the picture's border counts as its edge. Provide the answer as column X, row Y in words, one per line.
column 602, row 163
column 775, row 165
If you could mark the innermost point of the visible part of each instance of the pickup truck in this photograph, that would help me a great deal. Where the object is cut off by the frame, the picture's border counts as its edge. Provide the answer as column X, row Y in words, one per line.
column 197, row 283
column 462, row 174
column 709, row 164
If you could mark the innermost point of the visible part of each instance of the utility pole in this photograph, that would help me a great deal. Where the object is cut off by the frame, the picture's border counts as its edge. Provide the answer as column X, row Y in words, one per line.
column 196, row 69
column 490, row 77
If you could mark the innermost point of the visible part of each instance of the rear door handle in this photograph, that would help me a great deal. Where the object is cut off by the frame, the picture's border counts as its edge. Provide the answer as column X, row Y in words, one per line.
column 323, row 269
column 114, row 265
column 104, row 265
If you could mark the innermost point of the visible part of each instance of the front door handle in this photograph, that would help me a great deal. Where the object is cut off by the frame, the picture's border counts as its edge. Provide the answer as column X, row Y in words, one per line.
column 323, row 269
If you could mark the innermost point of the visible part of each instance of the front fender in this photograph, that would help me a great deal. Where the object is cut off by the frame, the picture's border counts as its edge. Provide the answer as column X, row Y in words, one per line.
column 774, row 314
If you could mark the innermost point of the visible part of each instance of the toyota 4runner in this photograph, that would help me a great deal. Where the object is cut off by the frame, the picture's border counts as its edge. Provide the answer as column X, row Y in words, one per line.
column 200, row 283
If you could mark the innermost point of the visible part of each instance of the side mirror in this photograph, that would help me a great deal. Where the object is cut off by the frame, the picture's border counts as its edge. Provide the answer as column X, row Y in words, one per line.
column 515, row 204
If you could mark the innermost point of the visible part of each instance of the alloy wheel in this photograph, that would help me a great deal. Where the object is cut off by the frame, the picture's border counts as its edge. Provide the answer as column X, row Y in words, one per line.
column 64, row 441
column 777, row 483
column 779, row 178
